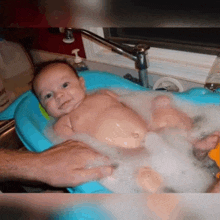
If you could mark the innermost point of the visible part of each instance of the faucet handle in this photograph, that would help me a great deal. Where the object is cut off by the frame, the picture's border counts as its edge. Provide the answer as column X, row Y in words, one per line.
column 142, row 48
column 142, row 61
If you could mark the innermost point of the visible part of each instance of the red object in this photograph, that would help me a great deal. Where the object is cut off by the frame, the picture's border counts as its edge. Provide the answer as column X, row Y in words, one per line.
column 36, row 14
column 53, row 42
column 23, row 13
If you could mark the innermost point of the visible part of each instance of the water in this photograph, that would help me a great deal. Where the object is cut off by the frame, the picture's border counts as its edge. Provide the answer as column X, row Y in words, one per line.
column 168, row 152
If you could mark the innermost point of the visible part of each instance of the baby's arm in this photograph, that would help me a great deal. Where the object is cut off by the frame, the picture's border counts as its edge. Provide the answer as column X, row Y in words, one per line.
column 63, row 128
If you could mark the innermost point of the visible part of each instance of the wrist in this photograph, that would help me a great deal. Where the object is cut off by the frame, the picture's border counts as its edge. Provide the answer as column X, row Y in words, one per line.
column 18, row 165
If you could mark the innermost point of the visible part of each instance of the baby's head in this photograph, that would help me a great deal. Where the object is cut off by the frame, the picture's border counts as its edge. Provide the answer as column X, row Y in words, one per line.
column 58, row 87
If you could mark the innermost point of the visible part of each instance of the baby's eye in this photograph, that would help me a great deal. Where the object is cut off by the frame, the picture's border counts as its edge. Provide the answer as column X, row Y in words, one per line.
column 65, row 84
column 47, row 96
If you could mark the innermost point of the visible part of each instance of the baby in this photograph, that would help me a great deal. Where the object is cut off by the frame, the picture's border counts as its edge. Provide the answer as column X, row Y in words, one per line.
column 101, row 115
column 63, row 95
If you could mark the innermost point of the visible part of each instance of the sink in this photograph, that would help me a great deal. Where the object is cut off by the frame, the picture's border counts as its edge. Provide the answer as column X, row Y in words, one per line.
column 8, row 136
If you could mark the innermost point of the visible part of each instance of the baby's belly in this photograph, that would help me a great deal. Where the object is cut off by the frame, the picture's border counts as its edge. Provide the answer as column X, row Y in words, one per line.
column 120, row 127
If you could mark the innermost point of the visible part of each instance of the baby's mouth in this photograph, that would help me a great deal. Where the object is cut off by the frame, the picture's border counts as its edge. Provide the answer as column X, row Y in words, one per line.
column 64, row 104
column 67, row 103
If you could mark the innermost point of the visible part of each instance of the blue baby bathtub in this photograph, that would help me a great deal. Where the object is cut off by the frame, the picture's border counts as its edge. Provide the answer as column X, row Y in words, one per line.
column 31, row 121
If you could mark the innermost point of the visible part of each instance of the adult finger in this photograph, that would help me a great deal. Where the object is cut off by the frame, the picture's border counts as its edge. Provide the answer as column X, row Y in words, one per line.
column 81, row 176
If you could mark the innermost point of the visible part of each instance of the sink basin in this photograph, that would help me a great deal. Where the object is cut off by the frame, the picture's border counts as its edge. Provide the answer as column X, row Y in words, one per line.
column 8, row 136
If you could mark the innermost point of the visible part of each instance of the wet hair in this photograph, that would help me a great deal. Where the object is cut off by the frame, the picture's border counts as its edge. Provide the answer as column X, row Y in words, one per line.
column 41, row 66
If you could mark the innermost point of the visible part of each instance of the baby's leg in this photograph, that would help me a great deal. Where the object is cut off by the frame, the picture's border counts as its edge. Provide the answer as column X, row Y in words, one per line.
column 202, row 147
column 161, row 101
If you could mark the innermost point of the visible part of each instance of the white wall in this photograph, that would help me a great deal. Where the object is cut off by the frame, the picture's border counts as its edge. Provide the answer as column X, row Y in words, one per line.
column 40, row 56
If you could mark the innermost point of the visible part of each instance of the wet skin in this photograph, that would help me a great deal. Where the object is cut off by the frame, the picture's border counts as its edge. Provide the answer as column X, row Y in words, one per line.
column 102, row 116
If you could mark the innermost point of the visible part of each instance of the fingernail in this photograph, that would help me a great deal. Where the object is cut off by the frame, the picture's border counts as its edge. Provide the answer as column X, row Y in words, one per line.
column 107, row 171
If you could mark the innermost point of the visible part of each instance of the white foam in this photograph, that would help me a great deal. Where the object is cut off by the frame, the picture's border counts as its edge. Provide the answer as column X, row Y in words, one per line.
column 208, row 118
column 171, row 156
column 123, row 179
column 169, row 152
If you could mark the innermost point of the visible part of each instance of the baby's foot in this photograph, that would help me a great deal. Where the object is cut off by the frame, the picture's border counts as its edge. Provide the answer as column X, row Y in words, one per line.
column 149, row 180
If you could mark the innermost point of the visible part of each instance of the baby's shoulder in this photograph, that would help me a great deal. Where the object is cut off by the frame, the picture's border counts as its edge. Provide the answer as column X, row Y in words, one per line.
column 108, row 92
column 64, row 120
column 63, row 128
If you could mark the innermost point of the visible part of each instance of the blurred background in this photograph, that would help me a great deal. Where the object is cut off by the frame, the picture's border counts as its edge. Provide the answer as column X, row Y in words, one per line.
column 114, row 13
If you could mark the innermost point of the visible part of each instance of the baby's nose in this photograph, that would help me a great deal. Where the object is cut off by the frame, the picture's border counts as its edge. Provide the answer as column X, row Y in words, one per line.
column 59, row 95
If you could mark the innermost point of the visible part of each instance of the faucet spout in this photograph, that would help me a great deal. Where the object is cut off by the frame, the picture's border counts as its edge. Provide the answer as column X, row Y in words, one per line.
column 137, row 53
column 114, row 46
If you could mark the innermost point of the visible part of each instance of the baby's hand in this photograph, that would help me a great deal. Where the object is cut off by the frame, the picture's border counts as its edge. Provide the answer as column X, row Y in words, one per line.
column 216, row 187
column 202, row 147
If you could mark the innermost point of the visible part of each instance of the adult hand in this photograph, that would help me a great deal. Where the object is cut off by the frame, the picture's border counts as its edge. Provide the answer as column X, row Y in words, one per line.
column 66, row 165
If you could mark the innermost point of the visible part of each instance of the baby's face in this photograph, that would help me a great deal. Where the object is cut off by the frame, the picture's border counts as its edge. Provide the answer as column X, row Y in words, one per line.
column 59, row 90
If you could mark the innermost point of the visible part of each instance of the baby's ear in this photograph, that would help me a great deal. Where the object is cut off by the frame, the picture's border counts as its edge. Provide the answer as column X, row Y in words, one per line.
column 82, row 82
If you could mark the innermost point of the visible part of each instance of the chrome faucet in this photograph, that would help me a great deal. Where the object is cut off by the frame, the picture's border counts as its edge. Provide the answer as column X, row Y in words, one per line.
column 137, row 53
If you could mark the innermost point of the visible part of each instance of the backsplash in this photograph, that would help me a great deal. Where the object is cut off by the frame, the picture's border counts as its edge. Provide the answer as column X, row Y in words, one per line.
column 40, row 56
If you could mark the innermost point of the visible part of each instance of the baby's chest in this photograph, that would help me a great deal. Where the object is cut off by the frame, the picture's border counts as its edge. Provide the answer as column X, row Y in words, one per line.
column 86, row 117
column 83, row 120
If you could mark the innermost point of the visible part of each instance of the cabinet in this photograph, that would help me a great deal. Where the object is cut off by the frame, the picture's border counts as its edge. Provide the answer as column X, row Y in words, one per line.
column 47, row 39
